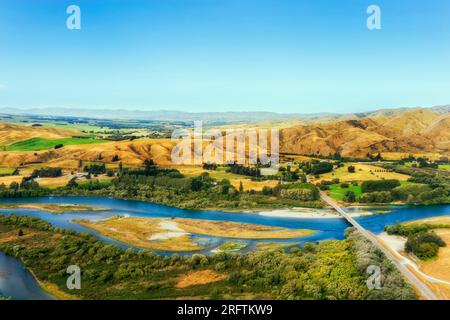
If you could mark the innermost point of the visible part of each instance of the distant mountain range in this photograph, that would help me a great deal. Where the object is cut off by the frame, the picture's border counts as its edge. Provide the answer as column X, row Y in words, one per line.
column 405, row 131
column 208, row 117
column 402, row 130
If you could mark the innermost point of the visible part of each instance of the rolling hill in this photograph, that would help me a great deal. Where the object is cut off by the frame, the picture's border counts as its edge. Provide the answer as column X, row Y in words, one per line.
column 411, row 131
column 415, row 131
column 12, row 133
column 129, row 152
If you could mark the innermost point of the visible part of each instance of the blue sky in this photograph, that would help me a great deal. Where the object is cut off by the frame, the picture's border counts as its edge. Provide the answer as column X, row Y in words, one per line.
column 225, row 55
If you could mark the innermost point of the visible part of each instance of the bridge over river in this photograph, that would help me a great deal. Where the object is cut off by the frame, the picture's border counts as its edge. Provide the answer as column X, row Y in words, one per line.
column 399, row 262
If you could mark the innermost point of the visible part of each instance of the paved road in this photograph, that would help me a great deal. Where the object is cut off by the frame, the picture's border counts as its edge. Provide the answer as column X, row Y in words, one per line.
column 400, row 263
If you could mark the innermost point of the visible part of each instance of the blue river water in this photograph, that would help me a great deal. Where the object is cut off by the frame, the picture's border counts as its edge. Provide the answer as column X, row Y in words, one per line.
column 17, row 282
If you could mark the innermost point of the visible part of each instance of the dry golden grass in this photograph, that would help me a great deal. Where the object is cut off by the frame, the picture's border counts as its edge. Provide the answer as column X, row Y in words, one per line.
column 130, row 153
column 192, row 170
column 51, row 207
column 440, row 266
column 362, row 172
column 414, row 131
column 50, row 182
column 238, row 230
column 138, row 231
column 248, row 184
column 402, row 155
column 433, row 220
column 173, row 234
column 297, row 157
column 6, row 237
column 63, row 180
column 11, row 133
column 420, row 132
column 9, row 179
column 196, row 278
column 67, row 164
column 441, row 290
column 53, row 182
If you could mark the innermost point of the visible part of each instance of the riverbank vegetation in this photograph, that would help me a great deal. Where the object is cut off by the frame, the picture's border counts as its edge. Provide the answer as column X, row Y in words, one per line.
column 435, row 189
column 170, row 187
column 221, row 188
column 231, row 246
column 271, row 246
column 327, row 270
column 422, row 240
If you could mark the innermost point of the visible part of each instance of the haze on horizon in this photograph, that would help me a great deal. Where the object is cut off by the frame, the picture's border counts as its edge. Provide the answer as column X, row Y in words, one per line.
column 225, row 55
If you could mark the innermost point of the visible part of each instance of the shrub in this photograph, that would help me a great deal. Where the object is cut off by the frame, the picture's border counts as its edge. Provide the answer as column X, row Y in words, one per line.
column 425, row 245
column 321, row 167
column 402, row 192
column 376, row 197
column 298, row 194
column 379, row 185
column 47, row 173
column 350, row 196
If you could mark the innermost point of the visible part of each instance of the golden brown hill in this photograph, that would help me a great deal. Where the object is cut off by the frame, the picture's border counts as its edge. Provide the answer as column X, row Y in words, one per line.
column 413, row 131
column 11, row 133
column 129, row 153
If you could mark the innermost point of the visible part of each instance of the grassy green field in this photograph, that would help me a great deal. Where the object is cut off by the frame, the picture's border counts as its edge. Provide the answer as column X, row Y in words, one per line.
column 6, row 171
column 232, row 246
column 36, row 144
column 338, row 193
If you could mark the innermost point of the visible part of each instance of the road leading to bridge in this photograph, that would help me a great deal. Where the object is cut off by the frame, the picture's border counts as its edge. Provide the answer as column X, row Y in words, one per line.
column 400, row 263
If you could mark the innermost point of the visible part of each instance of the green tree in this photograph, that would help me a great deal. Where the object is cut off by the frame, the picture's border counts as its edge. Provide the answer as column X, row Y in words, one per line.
column 350, row 196
column 72, row 183
column 14, row 186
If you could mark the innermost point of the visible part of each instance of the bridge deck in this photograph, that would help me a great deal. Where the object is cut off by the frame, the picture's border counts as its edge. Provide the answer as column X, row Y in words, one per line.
column 412, row 278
